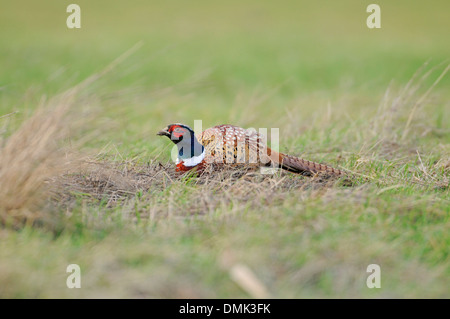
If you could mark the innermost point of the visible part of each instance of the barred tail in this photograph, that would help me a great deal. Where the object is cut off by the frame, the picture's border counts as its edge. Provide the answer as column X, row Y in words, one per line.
column 301, row 166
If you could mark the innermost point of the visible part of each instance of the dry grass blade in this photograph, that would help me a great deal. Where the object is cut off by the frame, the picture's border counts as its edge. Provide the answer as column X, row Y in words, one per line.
column 7, row 115
column 247, row 280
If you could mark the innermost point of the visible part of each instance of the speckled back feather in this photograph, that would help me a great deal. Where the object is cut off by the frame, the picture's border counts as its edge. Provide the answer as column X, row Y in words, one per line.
column 231, row 144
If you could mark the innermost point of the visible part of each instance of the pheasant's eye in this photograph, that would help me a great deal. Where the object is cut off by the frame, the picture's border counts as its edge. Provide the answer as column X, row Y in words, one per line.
column 177, row 132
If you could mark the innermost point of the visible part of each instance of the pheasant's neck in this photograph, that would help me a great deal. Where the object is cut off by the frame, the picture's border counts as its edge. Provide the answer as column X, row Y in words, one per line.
column 190, row 152
column 193, row 161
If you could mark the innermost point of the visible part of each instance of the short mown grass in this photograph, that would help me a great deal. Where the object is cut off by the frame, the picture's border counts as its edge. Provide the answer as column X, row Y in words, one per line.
column 95, row 186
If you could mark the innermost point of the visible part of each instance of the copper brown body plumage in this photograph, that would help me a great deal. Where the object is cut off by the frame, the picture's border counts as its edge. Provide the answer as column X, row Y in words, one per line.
column 232, row 145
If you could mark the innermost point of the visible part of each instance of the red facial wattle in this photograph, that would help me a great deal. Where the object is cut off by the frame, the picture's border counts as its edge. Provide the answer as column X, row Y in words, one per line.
column 177, row 135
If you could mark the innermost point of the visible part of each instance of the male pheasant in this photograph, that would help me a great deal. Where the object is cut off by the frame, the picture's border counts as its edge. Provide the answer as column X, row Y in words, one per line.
column 232, row 145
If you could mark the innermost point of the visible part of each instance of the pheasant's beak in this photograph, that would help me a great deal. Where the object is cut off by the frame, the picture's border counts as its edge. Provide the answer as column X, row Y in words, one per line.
column 164, row 132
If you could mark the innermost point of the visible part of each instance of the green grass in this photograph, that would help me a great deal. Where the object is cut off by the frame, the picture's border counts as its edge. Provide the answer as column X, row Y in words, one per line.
column 312, row 69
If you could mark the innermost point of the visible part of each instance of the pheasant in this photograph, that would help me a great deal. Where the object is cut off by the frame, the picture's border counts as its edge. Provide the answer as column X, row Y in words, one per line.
column 232, row 145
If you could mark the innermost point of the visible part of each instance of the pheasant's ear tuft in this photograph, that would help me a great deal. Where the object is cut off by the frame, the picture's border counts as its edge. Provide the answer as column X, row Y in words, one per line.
column 171, row 127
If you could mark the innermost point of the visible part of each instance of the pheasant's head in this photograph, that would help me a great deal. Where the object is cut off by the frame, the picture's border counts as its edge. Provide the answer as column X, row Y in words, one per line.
column 177, row 133
column 185, row 140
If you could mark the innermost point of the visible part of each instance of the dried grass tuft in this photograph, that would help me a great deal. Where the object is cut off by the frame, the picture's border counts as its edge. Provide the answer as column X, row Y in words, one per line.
column 32, row 155
column 399, row 118
column 118, row 184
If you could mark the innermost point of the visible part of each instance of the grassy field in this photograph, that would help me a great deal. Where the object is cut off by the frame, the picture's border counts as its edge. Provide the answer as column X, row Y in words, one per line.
column 81, row 183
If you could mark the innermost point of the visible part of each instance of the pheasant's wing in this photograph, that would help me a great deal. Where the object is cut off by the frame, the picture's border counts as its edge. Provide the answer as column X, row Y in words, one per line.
column 234, row 145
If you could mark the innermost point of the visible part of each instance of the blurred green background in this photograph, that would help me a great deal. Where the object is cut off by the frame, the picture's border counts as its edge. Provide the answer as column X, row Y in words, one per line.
column 210, row 60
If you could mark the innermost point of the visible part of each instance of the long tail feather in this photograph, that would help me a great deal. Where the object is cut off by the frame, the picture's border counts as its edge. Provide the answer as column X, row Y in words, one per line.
column 302, row 166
